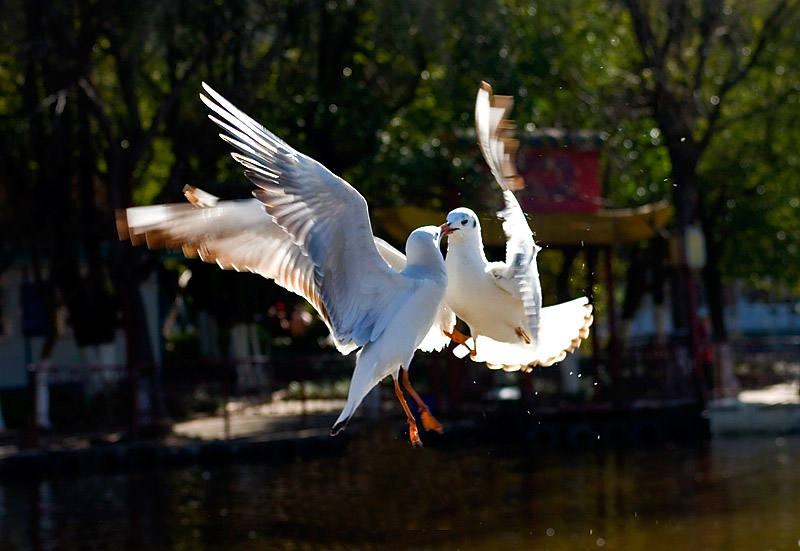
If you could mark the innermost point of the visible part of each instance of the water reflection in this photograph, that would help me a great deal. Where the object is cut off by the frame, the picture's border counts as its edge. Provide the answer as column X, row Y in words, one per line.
column 730, row 494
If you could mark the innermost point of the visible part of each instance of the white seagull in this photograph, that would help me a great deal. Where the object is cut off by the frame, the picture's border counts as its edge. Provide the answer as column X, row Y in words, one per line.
column 501, row 302
column 309, row 230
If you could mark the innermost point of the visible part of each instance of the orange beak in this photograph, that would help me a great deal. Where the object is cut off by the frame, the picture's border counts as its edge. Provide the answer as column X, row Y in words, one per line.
column 446, row 229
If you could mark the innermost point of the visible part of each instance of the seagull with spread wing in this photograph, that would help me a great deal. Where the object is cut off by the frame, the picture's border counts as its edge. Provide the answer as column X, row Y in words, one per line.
column 309, row 231
column 501, row 302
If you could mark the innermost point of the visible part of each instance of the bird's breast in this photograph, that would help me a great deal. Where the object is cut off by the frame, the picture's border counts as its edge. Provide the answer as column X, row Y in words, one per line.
column 414, row 318
column 474, row 297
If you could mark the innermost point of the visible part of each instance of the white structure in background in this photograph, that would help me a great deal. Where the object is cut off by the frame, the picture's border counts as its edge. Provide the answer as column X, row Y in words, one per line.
column 246, row 346
column 18, row 351
column 742, row 316
column 568, row 369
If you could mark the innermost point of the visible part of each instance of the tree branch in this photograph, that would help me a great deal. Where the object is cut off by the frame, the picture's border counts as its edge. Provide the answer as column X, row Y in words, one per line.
column 758, row 110
column 707, row 25
column 295, row 12
column 98, row 108
column 653, row 55
column 675, row 30
column 124, row 68
column 771, row 25
column 169, row 102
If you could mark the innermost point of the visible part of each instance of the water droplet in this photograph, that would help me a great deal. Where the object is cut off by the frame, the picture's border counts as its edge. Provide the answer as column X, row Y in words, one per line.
column 550, row 532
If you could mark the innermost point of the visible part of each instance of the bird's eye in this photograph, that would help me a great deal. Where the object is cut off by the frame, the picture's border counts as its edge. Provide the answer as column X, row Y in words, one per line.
column 464, row 222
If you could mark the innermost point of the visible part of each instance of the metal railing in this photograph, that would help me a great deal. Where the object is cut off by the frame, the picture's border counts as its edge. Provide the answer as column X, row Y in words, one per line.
column 135, row 399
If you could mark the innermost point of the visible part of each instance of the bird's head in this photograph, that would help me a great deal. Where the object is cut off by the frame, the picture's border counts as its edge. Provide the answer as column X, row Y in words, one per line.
column 422, row 246
column 426, row 236
column 462, row 223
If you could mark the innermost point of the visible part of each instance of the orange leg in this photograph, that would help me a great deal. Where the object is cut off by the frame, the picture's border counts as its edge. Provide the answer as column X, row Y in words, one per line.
column 429, row 422
column 522, row 335
column 413, row 433
column 460, row 338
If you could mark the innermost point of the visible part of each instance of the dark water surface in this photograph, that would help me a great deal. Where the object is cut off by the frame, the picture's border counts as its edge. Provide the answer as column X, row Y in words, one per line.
column 736, row 494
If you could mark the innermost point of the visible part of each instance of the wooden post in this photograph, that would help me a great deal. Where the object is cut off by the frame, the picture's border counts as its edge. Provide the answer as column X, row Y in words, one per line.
column 591, row 266
column 613, row 335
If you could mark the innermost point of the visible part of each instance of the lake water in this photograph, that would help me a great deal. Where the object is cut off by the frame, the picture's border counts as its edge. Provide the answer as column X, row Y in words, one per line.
column 734, row 494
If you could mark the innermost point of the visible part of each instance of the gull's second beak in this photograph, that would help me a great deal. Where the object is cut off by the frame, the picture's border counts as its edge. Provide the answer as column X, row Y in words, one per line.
column 446, row 229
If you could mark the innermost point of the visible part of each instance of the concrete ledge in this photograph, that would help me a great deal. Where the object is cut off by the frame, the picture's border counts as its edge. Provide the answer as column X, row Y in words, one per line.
column 729, row 417
column 153, row 454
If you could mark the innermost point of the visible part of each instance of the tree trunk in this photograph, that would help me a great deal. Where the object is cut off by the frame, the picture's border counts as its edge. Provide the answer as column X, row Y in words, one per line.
column 723, row 379
column 685, row 200
column 712, row 279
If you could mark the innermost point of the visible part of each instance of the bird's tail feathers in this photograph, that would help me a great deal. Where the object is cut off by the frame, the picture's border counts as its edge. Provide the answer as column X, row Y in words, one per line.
column 365, row 377
column 563, row 327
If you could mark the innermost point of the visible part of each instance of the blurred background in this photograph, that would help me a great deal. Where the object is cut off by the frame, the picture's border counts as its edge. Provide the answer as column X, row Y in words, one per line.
column 658, row 151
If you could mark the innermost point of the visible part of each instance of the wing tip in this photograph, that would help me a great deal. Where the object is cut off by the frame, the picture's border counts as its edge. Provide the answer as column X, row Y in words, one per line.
column 496, row 140
column 339, row 427
column 198, row 197
column 123, row 230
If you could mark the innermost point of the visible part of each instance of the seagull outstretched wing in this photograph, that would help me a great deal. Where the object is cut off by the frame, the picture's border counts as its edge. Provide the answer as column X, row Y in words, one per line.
column 519, row 274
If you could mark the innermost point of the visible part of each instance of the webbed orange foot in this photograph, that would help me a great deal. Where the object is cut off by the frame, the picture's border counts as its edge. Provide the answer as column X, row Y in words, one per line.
column 460, row 338
column 413, row 435
column 429, row 422
column 456, row 336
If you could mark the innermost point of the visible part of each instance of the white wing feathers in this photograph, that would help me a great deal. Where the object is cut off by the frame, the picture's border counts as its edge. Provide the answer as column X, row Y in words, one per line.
column 436, row 339
column 352, row 288
column 241, row 236
column 495, row 136
column 200, row 231
column 563, row 328
column 519, row 275
column 235, row 235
